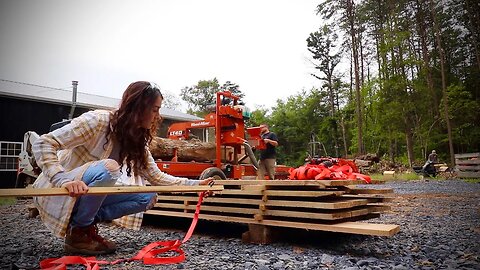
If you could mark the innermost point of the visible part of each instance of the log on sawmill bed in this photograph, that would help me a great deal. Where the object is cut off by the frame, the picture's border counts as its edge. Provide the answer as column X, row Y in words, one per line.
column 324, row 205
column 186, row 150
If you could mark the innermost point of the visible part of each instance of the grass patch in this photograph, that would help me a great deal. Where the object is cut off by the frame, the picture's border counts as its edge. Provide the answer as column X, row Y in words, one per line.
column 396, row 177
column 7, row 201
column 409, row 176
column 471, row 180
column 376, row 176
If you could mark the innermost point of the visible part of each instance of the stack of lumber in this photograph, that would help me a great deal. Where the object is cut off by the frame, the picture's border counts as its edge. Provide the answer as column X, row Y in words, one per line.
column 325, row 205
column 467, row 165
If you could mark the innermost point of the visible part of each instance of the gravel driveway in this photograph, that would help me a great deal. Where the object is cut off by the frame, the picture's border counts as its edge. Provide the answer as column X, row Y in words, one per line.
column 439, row 229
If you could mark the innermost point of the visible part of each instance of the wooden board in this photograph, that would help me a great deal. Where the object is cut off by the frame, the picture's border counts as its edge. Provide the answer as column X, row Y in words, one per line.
column 208, row 208
column 213, row 199
column 370, row 197
column 308, row 202
column 339, row 204
column 354, row 190
column 343, row 227
column 314, row 215
column 29, row 192
column 468, row 155
column 468, row 168
column 309, row 194
column 467, row 161
column 267, row 211
column 467, row 165
column 318, row 205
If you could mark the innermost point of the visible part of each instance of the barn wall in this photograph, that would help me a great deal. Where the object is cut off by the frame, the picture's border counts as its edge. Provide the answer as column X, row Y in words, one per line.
column 18, row 116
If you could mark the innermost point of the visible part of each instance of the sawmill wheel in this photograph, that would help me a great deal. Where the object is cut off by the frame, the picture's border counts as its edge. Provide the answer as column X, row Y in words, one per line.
column 213, row 172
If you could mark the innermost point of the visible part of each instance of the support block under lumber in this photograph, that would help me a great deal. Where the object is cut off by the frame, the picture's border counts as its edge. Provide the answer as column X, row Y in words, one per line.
column 32, row 211
column 259, row 234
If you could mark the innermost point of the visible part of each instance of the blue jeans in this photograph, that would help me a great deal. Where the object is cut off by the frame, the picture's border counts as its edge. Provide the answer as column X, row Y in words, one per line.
column 96, row 208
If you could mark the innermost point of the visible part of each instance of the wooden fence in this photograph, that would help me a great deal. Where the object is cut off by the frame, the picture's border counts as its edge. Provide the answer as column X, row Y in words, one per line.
column 467, row 165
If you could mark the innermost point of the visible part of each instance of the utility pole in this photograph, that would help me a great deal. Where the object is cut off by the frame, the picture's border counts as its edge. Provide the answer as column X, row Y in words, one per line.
column 74, row 99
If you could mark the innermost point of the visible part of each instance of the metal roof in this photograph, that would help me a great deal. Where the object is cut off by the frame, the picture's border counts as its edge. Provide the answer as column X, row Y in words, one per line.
column 64, row 97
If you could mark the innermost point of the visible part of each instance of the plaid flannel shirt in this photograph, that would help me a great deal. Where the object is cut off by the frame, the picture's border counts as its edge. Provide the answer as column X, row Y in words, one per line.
column 74, row 147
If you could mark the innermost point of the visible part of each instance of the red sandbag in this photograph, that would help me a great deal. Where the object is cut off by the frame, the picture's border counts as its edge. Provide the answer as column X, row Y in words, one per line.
column 341, row 169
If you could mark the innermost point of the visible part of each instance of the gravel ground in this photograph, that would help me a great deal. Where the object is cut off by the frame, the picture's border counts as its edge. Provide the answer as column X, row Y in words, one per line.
column 439, row 229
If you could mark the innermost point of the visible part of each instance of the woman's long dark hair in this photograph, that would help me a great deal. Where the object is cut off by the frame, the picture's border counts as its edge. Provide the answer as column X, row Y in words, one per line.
column 126, row 125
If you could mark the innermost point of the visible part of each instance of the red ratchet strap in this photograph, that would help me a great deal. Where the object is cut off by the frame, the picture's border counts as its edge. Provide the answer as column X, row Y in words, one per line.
column 147, row 254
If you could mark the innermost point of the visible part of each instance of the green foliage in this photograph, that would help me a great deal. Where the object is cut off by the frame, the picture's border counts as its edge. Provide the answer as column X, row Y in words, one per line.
column 202, row 96
column 170, row 100
column 322, row 45
column 199, row 97
column 402, row 95
column 234, row 88
column 259, row 116
column 464, row 113
column 472, row 180
column 7, row 201
column 408, row 176
column 297, row 121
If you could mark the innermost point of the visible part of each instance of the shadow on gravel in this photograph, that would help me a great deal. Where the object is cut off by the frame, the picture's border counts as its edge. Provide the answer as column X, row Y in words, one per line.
column 223, row 230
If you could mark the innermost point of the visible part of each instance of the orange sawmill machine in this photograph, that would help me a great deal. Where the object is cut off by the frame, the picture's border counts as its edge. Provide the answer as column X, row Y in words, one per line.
column 237, row 141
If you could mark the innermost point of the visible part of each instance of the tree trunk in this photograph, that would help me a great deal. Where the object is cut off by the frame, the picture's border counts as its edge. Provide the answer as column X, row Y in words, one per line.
column 391, row 147
column 421, row 17
column 350, row 89
column 187, row 150
column 358, row 96
column 409, row 140
column 331, row 94
column 362, row 61
column 472, row 8
column 444, row 82
column 344, row 136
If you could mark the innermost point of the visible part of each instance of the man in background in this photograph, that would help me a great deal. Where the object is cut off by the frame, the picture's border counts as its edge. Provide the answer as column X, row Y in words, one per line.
column 433, row 158
column 268, row 155
column 429, row 164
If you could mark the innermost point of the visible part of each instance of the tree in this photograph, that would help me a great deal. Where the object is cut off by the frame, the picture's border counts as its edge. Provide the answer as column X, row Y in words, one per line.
column 258, row 116
column 322, row 46
column 350, row 14
column 438, row 39
column 202, row 96
column 170, row 100
column 234, row 88
column 199, row 97
column 427, row 54
column 294, row 120
column 346, row 9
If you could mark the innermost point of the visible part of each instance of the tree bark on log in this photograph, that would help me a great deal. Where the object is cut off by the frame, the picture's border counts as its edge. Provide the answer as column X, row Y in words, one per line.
column 187, row 150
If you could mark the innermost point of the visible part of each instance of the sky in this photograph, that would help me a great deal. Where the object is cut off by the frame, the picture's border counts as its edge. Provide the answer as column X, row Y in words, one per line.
column 105, row 45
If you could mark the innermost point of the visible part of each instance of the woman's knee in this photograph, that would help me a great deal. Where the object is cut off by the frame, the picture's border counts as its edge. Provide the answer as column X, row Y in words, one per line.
column 112, row 166
column 149, row 200
column 104, row 173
